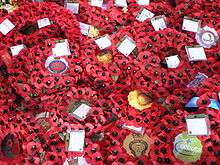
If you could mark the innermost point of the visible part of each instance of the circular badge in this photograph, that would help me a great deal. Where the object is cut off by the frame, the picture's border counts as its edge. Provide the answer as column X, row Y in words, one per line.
column 139, row 100
column 207, row 37
column 187, row 148
column 137, row 145
column 56, row 65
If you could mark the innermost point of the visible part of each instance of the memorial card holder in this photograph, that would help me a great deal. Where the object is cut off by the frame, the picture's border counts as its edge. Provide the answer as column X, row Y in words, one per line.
column 161, row 25
column 193, row 20
column 202, row 55
column 147, row 15
column 200, row 129
column 122, row 40
column 72, row 5
column 143, row 2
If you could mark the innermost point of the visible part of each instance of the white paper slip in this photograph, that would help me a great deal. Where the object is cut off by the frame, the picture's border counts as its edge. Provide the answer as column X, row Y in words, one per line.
column 6, row 26
column 15, row 50
column 61, row 49
column 144, row 14
column 97, row 3
column 197, row 125
column 159, row 22
column 143, row 2
column 76, row 141
column 196, row 53
column 219, row 96
column 43, row 22
column 126, row 46
column 73, row 7
column 172, row 61
column 190, row 24
column 139, row 130
column 84, row 28
column 42, row 115
column 121, row 3
column 81, row 112
column 103, row 42
column 82, row 161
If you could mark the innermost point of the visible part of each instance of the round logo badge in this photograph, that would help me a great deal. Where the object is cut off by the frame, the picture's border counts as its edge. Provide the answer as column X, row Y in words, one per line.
column 187, row 148
column 137, row 145
column 207, row 37
column 56, row 65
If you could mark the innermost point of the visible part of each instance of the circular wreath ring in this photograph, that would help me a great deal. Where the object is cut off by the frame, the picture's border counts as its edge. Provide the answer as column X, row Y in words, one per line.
column 35, row 55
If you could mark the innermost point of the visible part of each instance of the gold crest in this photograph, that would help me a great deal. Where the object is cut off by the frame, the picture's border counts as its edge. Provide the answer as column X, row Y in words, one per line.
column 137, row 145
column 139, row 100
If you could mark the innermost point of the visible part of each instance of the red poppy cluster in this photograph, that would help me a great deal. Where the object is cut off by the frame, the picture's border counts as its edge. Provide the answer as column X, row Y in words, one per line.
column 28, row 89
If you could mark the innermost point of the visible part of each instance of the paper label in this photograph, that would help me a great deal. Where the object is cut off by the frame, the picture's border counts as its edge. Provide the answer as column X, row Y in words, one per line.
column 43, row 22
column 196, row 53
column 81, row 112
column 121, row 3
column 172, row 61
column 73, row 7
column 61, row 49
column 42, row 115
column 97, row 3
column 76, row 141
column 144, row 14
column 198, row 80
column 190, row 24
column 197, row 125
column 6, row 26
column 158, row 23
column 133, row 128
column 126, row 46
column 103, row 42
column 143, row 2
column 15, row 50
column 84, row 28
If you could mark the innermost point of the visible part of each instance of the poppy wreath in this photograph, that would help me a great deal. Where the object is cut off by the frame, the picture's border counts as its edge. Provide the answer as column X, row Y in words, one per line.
column 30, row 90
column 36, row 55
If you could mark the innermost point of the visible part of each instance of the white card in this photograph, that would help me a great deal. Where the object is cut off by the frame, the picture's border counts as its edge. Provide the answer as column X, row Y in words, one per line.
column 121, row 3
column 197, row 126
column 103, row 42
column 126, row 46
column 73, row 7
column 43, row 22
column 82, row 161
column 81, row 112
column 61, row 49
column 133, row 128
column 84, row 28
column 76, row 141
column 143, row 2
column 15, row 50
column 42, row 115
column 191, row 25
column 159, row 23
column 144, row 14
column 97, row 3
column 172, row 61
column 219, row 96
column 6, row 26
column 196, row 53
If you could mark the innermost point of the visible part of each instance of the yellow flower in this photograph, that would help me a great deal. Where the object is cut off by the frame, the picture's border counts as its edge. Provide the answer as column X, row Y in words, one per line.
column 93, row 32
column 139, row 100
column 105, row 57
